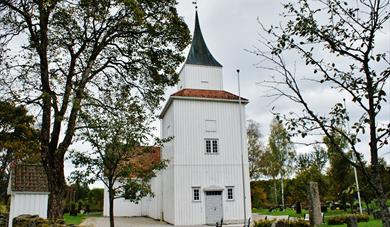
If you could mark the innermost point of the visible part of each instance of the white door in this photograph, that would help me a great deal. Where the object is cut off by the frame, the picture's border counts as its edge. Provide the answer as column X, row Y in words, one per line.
column 214, row 212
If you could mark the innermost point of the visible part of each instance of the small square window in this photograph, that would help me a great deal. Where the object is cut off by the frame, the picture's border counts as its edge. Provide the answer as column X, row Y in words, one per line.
column 195, row 194
column 230, row 193
column 211, row 146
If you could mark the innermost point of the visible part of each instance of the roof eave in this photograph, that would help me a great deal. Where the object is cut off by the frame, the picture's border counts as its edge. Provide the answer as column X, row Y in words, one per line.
column 170, row 100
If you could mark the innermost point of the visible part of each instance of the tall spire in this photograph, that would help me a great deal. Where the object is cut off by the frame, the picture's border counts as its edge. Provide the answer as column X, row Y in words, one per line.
column 199, row 53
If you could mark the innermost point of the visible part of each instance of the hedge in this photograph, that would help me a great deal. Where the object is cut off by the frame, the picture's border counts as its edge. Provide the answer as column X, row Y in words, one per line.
column 284, row 223
column 343, row 219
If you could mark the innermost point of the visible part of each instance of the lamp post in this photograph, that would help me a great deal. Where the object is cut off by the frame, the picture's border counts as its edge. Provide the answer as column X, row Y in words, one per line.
column 241, row 147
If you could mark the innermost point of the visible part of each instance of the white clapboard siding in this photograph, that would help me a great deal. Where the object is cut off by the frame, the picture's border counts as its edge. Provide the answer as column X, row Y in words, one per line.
column 194, row 168
column 200, row 77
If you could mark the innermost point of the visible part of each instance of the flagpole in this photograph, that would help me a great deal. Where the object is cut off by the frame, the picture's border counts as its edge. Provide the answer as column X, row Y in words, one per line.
column 241, row 147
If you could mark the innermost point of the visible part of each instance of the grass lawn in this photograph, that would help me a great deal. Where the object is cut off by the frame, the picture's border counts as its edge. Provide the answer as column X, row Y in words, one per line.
column 75, row 220
column 371, row 223
column 291, row 213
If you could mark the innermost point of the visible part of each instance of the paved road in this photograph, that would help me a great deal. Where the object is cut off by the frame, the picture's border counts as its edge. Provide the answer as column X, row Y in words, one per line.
column 123, row 222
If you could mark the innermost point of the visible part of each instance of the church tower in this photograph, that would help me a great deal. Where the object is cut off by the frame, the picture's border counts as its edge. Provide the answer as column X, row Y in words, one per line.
column 201, row 70
column 203, row 182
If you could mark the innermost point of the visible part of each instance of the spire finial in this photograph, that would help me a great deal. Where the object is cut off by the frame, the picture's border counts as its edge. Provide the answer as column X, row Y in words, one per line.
column 196, row 4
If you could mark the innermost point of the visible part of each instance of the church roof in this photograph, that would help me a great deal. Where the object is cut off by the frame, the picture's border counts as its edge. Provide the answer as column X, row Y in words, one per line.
column 205, row 95
column 199, row 53
column 210, row 94
column 143, row 158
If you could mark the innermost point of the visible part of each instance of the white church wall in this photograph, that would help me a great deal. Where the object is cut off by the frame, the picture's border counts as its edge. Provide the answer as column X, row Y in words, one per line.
column 122, row 206
column 152, row 205
column 191, row 212
column 148, row 206
column 195, row 168
column 167, row 175
column 190, row 132
column 200, row 77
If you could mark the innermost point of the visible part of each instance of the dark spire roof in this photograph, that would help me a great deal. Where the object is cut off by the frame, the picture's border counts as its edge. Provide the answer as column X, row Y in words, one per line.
column 199, row 53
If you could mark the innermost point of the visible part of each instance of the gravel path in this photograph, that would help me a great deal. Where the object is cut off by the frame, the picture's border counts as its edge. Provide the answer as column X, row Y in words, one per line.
column 131, row 222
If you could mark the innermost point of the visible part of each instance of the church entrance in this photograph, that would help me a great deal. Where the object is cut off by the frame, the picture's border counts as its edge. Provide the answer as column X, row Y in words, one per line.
column 214, row 212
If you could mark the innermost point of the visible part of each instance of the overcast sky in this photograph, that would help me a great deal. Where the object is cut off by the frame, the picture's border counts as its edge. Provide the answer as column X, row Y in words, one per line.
column 231, row 26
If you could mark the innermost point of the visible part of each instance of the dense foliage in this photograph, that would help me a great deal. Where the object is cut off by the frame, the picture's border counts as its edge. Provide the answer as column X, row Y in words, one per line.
column 18, row 141
column 60, row 57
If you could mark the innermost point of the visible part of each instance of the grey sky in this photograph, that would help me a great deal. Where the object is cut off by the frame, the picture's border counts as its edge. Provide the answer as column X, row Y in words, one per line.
column 231, row 26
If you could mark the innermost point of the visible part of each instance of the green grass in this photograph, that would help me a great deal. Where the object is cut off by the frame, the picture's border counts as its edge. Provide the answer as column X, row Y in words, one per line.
column 291, row 213
column 76, row 220
column 371, row 223
column 288, row 211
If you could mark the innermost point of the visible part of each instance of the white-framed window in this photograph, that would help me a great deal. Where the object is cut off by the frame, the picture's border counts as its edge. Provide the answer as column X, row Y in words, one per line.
column 230, row 193
column 211, row 125
column 195, row 194
column 211, row 146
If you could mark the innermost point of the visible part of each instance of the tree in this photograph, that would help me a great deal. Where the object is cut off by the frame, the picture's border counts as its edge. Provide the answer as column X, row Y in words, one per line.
column 340, row 171
column 255, row 149
column 18, row 141
column 337, row 42
column 282, row 149
column 317, row 158
column 298, row 188
column 271, row 167
column 65, row 54
column 118, row 159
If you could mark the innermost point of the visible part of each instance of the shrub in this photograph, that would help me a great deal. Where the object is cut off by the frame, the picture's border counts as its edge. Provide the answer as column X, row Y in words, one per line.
column 362, row 217
column 268, row 223
column 343, row 219
column 295, row 223
column 263, row 223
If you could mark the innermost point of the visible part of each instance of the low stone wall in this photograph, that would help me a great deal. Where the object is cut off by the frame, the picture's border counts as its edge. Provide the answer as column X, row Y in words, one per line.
column 35, row 221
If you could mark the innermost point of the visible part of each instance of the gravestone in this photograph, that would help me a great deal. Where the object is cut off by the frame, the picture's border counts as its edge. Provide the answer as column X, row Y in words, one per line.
column 298, row 208
column 314, row 205
column 352, row 221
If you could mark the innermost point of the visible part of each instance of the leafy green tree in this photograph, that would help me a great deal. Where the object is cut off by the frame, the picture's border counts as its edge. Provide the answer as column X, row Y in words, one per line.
column 255, row 149
column 61, row 56
column 298, row 188
column 318, row 158
column 18, row 141
column 337, row 40
column 340, row 171
column 270, row 168
column 259, row 196
column 282, row 150
column 117, row 157
column 96, row 198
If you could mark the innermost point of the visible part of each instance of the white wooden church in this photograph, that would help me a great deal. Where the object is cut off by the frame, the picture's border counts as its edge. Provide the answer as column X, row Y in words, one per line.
column 203, row 182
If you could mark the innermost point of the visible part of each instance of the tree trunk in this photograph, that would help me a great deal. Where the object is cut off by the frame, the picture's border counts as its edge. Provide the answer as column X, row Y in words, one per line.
column 111, row 198
column 57, row 184
column 282, row 189
column 275, row 192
